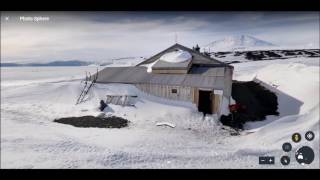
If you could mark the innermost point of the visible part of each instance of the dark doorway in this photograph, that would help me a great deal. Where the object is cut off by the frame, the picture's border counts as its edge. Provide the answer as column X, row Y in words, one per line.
column 205, row 104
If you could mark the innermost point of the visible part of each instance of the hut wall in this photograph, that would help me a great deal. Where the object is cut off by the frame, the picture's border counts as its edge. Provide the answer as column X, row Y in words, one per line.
column 190, row 94
column 228, row 82
column 182, row 93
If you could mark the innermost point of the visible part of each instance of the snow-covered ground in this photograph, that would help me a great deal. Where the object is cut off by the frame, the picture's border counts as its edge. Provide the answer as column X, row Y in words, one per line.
column 31, row 98
column 18, row 76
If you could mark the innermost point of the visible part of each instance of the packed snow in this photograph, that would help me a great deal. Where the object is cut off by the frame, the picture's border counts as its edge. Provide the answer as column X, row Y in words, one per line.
column 177, row 56
column 31, row 98
column 123, row 62
column 149, row 66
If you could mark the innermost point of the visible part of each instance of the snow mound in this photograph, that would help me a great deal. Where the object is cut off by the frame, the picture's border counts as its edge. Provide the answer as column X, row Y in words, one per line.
column 297, row 88
column 178, row 56
column 294, row 81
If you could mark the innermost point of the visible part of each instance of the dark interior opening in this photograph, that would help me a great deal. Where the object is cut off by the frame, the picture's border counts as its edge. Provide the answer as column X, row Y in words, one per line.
column 204, row 104
column 258, row 100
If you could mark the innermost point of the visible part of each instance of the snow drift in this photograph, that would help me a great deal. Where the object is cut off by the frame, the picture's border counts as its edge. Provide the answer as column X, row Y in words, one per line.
column 297, row 88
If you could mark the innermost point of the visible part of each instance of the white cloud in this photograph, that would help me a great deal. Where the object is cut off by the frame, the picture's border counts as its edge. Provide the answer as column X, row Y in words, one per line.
column 74, row 36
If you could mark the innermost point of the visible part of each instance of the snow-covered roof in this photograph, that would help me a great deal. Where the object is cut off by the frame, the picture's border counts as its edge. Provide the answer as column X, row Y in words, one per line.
column 176, row 59
column 167, row 65
column 177, row 56
column 196, row 57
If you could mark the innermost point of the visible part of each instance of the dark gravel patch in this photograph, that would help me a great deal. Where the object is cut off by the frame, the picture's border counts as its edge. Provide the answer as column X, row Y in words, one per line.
column 91, row 121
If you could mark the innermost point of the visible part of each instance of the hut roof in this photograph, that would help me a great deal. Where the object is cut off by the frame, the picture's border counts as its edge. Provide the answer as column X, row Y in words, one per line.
column 204, row 71
column 202, row 77
column 197, row 57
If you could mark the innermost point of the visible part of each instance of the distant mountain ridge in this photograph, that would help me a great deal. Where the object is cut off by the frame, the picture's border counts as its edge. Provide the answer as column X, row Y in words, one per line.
column 119, row 61
column 53, row 63
column 236, row 43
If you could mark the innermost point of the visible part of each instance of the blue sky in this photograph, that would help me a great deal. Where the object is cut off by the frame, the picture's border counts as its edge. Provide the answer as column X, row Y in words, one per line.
column 99, row 36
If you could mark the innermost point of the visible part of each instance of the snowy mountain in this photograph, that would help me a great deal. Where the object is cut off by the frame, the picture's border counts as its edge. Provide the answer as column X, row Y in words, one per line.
column 236, row 43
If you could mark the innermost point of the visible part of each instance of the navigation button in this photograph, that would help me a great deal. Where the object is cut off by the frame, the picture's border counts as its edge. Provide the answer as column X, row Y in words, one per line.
column 304, row 155
column 296, row 137
column 286, row 147
column 285, row 160
column 309, row 136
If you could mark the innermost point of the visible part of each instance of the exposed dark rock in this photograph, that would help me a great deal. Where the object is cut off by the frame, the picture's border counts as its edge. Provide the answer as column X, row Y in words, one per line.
column 259, row 55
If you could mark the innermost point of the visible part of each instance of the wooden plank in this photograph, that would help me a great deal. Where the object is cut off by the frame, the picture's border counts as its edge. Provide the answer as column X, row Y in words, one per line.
column 213, row 105
column 216, row 102
column 196, row 93
column 125, row 101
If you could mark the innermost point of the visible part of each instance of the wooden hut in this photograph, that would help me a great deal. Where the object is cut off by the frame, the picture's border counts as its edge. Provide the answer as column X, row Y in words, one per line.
column 197, row 78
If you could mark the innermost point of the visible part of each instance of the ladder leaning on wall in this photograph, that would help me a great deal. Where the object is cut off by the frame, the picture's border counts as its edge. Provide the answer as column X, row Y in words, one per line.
column 89, row 82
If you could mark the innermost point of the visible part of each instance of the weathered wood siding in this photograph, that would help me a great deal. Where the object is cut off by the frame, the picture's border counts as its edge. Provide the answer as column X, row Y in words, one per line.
column 190, row 94
column 227, row 82
column 183, row 93
column 216, row 103
column 195, row 92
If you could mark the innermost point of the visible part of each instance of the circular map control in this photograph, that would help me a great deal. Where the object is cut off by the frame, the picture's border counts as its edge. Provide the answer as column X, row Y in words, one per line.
column 285, row 160
column 304, row 155
column 286, row 147
column 309, row 136
column 296, row 137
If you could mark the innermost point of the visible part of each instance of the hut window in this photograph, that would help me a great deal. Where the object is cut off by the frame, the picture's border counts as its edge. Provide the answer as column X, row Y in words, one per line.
column 174, row 91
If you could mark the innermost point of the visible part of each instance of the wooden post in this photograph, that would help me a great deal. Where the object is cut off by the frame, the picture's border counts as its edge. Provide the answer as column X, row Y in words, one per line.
column 216, row 103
